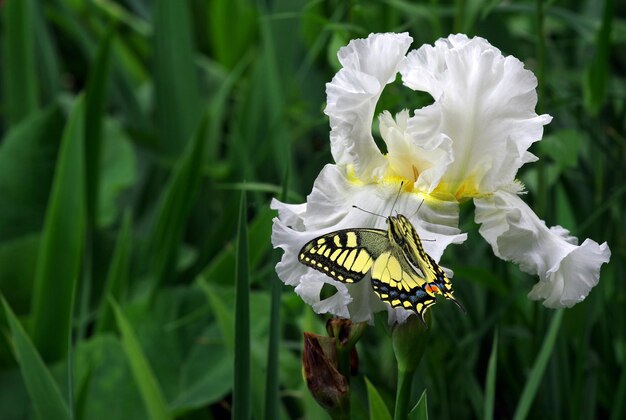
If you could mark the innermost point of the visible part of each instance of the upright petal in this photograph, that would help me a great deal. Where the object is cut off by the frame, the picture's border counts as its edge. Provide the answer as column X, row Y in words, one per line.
column 417, row 150
column 368, row 65
column 567, row 272
column 487, row 104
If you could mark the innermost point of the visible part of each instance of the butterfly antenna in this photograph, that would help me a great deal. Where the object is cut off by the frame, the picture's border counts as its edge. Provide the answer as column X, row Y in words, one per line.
column 418, row 208
column 366, row 211
column 397, row 196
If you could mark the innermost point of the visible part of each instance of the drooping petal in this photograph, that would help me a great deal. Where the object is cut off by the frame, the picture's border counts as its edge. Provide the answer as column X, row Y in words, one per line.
column 368, row 65
column 567, row 271
column 487, row 105
column 329, row 208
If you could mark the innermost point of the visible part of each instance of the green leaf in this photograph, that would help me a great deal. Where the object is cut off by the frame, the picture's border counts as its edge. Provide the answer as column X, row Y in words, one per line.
column 61, row 247
column 18, row 259
column 222, row 268
column 222, row 304
column 564, row 147
column 18, row 63
column 377, row 408
column 107, row 389
column 28, row 153
column 241, row 389
column 207, row 373
column 117, row 278
column 144, row 377
column 420, row 411
column 596, row 76
column 118, row 172
column 174, row 206
column 272, row 382
column 95, row 107
column 490, row 386
column 43, row 390
column 47, row 56
column 178, row 104
column 539, row 367
column 228, row 45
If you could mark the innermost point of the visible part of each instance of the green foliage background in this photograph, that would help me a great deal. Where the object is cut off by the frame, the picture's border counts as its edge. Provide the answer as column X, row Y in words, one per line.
column 129, row 130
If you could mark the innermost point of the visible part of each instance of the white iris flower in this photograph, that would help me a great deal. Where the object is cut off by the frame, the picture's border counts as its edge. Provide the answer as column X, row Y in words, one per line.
column 469, row 144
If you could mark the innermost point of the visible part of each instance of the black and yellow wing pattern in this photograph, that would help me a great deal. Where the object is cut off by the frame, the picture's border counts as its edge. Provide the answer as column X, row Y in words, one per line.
column 402, row 273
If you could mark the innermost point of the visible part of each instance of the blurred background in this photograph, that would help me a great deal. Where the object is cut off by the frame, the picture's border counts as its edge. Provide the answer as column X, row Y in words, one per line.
column 129, row 130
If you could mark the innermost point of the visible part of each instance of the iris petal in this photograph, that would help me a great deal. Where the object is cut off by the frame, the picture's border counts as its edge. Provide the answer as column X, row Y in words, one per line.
column 567, row 272
column 368, row 65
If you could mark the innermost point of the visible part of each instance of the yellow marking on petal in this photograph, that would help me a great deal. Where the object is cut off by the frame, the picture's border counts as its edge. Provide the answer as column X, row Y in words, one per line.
column 351, row 240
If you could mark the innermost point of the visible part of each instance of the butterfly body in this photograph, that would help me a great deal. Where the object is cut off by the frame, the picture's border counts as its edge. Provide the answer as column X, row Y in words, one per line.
column 402, row 273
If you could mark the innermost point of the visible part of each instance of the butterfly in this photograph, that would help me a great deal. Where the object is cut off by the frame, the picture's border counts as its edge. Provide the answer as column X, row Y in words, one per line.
column 402, row 273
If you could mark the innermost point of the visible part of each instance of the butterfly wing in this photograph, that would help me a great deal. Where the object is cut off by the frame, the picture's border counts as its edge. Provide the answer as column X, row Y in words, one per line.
column 435, row 279
column 345, row 255
column 397, row 283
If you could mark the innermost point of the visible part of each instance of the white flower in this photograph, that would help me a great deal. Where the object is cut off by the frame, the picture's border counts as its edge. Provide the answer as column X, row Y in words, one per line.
column 469, row 144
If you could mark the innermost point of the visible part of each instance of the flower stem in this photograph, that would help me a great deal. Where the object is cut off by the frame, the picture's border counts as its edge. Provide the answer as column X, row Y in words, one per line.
column 409, row 341
column 403, row 395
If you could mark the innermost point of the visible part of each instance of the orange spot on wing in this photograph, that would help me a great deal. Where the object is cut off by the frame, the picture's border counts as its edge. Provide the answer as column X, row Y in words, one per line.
column 432, row 289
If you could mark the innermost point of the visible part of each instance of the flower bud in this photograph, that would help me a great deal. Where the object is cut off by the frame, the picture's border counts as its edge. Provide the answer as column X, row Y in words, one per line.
column 320, row 370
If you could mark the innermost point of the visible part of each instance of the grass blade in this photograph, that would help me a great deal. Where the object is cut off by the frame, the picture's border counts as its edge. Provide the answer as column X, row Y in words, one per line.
column 117, row 278
column 28, row 151
column 174, row 207
column 146, row 381
column 18, row 64
column 420, row 411
column 95, row 106
column 241, row 391
column 60, row 253
column 377, row 408
column 596, row 77
column 178, row 102
column 47, row 68
column 533, row 381
column 490, row 387
column 43, row 390
column 272, row 384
